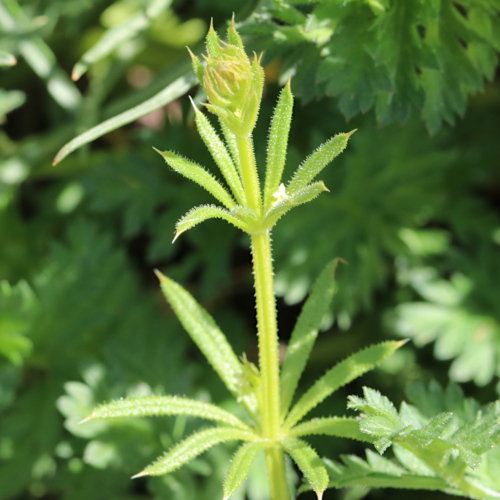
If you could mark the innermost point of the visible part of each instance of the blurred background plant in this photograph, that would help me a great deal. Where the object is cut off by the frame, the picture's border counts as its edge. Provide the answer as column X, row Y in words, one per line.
column 414, row 209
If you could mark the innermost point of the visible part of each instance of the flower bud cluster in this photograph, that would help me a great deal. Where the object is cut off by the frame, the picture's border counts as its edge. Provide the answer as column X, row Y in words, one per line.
column 232, row 83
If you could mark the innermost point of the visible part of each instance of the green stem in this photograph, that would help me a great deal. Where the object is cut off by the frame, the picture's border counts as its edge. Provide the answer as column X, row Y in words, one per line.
column 275, row 461
column 249, row 173
column 268, row 334
column 266, row 325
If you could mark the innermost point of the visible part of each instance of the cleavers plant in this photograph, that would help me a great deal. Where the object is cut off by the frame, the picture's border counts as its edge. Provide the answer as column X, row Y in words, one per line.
column 233, row 84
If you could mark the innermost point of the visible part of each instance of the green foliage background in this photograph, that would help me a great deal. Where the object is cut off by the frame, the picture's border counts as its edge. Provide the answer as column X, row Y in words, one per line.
column 413, row 209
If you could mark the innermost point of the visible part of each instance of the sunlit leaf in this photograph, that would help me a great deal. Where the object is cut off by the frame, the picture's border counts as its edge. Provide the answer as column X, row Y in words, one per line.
column 318, row 160
column 204, row 212
column 278, row 145
column 199, row 175
column 240, row 466
column 193, row 446
column 346, row 427
column 289, row 201
column 341, row 374
column 164, row 405
column 207, row 336
column 220, row 155
column 304, row 334
column 309, row 464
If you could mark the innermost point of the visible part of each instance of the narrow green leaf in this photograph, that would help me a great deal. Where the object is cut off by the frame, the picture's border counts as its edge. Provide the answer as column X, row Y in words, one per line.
column 192, row 447
column 309, row 464
column 234, row 37
column 340, row 375
column 278, row 145
column 315, row 163
column 240, row 466
column 208, row 337
column 213, row 42
column 346, row 427
column 220, row 155
column 168, row 94
column 232, row 144
column 165, row 405
column 287, row 202
column 118, row 35
column 204, row 212
column 305, row 332
column 198, row 67
column 199, row 175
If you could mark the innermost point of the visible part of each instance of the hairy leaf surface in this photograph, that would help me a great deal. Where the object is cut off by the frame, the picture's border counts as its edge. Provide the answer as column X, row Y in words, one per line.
column 240, row 466
column 304, row 334
column 309, row 464
column 192, row 447
column 318, row 160
column 165, row 405
column 198, row 174
column 340, row 375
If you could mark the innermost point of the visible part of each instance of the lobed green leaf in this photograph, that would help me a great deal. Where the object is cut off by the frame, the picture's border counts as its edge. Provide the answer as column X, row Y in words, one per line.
column 340, row 375
column 346, row 427
column 240, row 466
column 204, row 212
column 304, row 334
column 198, row 174
column 315, row 163
column 192, row 447
column 164, row 405
column 278, row 145
column 293, row 200
column 220, row 155
column 309, row 464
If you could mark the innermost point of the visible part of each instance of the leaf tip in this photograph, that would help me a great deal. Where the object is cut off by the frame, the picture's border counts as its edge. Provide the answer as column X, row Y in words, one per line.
column 86, row 419
column 141, row 474
column 177, row 234
column 196, row 110
column 348, row 134
column 162, row 279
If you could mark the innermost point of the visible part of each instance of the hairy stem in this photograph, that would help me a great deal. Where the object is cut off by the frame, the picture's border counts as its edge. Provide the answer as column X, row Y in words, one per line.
column 249, row 173
column 268, row 334
column 266, row 325
column 275, row 461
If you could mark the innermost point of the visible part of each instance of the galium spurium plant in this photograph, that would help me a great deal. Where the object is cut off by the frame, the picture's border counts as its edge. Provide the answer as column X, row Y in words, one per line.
column 233, row 84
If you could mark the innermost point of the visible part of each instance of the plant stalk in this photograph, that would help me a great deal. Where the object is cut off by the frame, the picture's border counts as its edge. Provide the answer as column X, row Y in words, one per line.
column 249, row 173
column 266, row 325
column 275, row 461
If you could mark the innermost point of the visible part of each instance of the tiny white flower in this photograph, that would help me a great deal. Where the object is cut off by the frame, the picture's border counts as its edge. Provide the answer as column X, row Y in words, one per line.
column 280, row 194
